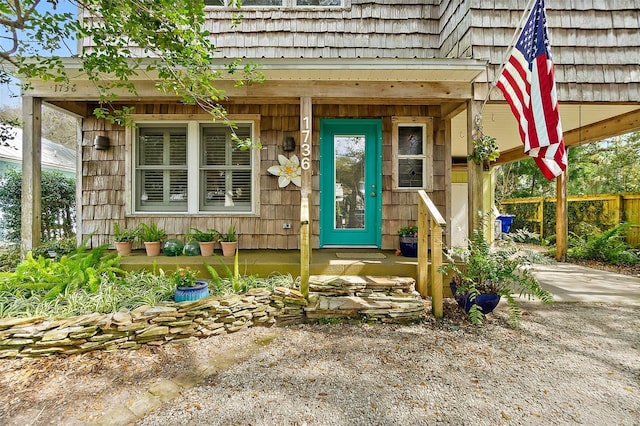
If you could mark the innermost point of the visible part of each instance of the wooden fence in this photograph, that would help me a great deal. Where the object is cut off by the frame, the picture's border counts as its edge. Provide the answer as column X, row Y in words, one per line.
column 604, row 211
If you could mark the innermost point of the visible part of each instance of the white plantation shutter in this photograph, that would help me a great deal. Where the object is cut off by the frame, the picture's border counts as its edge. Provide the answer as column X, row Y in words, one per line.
column 161, row 169
column 175, row 163
column 225, row 171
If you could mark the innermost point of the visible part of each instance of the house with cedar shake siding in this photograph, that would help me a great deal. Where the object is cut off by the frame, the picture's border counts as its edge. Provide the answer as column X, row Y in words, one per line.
column 368, row 100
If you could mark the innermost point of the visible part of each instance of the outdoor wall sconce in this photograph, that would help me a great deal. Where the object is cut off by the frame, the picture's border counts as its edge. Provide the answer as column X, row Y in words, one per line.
column 289, row 143
column 101, row 142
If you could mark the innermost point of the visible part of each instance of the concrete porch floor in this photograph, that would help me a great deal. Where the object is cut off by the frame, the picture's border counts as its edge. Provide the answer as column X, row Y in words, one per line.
column 264, row 262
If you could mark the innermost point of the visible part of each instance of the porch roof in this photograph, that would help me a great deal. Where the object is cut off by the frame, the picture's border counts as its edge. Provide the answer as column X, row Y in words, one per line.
column 372, row 69
column 454, row 73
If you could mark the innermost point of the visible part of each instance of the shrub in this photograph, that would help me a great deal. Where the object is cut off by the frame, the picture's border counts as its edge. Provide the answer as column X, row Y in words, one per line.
column 9, row 259
column 608, row 246
column 58, row 205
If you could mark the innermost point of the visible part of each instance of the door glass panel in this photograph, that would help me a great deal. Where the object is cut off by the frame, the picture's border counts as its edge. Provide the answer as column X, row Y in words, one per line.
column 349, row 182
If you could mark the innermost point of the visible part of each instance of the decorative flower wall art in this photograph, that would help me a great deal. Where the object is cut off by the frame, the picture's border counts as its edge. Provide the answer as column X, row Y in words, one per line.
column 287, row 171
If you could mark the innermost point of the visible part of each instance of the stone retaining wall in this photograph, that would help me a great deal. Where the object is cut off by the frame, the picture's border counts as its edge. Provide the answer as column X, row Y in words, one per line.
column 39, row 336
column 385, row 299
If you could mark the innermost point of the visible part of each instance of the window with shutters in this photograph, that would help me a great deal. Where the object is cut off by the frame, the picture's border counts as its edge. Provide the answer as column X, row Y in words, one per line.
column 194, row 167
column 225, row 171
column 161, row 169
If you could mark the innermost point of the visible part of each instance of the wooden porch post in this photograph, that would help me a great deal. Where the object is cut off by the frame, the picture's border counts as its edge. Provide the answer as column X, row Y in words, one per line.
column 31, row 205
column 562, row 223
column 474, row 171
column 306, row 157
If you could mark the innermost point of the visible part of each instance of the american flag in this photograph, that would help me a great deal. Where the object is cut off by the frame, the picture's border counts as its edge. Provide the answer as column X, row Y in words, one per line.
column 528, row 84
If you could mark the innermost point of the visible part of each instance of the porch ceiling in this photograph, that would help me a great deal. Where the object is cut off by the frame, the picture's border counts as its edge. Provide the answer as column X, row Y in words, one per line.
column 498, row 121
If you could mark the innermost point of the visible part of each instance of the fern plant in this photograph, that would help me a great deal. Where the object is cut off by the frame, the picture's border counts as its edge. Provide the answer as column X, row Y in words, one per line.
column 80, row 270
column 501, row 270
column 608, row 246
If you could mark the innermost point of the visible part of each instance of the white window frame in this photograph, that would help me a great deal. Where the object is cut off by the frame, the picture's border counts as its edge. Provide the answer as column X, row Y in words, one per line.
column 194, row 125
column 426, row 123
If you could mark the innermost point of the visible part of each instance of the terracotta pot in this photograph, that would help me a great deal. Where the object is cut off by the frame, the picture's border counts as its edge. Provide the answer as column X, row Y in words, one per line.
column 152, row 248
column 123, row 247
column 206, row 248
column 229, row 248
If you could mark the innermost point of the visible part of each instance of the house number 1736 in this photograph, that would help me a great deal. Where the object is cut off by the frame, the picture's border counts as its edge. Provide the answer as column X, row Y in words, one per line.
column 305, row 147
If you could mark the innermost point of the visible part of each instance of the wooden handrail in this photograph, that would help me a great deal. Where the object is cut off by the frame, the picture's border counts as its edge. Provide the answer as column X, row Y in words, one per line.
column 430, row 224
column 433, row 210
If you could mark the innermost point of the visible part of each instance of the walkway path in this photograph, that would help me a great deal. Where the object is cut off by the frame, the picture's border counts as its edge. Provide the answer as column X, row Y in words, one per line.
column 574, row 283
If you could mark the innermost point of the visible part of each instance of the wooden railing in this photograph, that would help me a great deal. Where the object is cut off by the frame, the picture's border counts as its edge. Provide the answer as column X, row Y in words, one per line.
column 430, row 224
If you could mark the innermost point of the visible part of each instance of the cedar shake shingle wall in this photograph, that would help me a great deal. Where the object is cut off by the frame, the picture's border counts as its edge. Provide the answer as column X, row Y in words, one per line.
column 595, row 46
column 367, row 29
column 455, row 20
column 104, row 175
column 595, row 43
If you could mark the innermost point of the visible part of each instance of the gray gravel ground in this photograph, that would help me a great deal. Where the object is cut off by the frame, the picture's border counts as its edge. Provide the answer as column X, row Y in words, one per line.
column 568, row 364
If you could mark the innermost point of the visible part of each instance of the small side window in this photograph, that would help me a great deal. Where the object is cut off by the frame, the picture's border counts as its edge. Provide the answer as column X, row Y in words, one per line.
column 412, row 141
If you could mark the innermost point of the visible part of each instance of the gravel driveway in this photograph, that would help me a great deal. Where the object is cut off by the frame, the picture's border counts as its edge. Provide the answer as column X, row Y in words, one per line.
column 570, row 363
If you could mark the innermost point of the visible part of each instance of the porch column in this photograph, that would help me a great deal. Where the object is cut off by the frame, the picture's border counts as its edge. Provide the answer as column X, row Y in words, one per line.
column 474, row 171
column 31, row 207
column 306, row 160
column 562, row 223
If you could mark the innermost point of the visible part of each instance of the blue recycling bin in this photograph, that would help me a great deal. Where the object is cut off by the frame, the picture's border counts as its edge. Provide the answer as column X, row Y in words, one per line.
column 506, row 220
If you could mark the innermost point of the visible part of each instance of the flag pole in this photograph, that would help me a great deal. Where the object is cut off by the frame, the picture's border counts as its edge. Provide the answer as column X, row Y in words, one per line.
column 492, row 85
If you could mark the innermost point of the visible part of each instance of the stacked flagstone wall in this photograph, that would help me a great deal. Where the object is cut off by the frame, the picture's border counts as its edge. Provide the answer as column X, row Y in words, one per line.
column 39, row 336
column 388, row 299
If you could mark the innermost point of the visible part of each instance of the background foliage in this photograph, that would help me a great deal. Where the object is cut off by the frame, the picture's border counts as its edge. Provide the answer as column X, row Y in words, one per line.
column 170, row 38
column 608, row 167
column 58, row 205
column 57, row 126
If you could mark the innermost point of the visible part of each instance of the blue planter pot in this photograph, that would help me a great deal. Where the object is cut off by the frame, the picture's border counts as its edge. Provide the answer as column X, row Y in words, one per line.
column 487, row 302
column 199, row 291
column 409, row 246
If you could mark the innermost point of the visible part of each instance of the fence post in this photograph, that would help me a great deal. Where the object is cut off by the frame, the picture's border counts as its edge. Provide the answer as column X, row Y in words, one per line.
column 541, row 217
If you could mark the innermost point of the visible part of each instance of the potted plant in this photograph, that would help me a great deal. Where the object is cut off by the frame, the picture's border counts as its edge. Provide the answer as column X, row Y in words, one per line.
column 229, row 241
column 485, row 150
column 152, row 236
column 409, row 240
column 488, row 273
column 187, row 286
column 124, row 238
column 206, row 239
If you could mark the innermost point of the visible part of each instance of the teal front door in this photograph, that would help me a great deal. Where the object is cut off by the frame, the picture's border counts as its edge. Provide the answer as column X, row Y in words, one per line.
column 350, row 182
